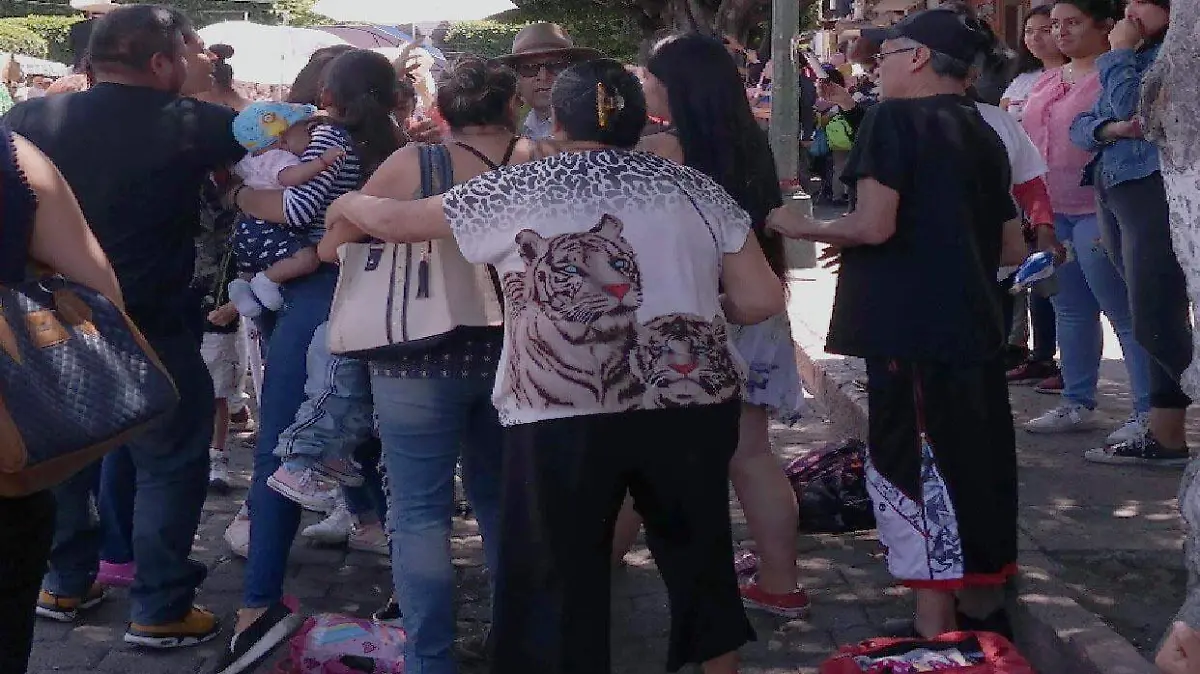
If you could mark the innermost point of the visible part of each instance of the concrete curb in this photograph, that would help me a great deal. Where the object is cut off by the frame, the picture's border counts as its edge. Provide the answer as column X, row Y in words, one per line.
column 1054, row 632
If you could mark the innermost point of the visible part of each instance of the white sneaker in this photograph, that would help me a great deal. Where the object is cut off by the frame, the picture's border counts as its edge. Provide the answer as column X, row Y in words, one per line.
column 218, row 469
column 1066, row 418
column 267, row 291
column 370, row 539
column 333, row 530
column 238, row 533
column 1134, row 428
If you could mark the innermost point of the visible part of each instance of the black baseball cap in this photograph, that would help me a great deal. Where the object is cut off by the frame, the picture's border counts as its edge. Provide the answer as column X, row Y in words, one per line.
column 942, row 30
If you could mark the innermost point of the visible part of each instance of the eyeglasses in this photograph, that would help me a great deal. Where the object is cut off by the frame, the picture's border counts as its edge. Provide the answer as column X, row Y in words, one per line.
column 535, row 69
column 884, row 54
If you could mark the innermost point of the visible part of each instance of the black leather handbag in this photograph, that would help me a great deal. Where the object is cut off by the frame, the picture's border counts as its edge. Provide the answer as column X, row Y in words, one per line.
column 77, row 379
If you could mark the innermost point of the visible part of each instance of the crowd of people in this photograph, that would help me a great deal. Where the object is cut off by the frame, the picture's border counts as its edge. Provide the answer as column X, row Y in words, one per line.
column 632, row 221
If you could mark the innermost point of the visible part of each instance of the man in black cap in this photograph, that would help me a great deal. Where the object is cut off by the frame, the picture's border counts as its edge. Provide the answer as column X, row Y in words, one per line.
column 916, row 298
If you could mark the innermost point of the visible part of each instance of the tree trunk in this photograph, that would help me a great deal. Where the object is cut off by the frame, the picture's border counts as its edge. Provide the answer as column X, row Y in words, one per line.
column 1171, row 107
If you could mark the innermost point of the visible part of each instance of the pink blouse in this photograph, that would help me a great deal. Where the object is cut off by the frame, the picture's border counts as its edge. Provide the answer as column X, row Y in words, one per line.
column 1049, row 110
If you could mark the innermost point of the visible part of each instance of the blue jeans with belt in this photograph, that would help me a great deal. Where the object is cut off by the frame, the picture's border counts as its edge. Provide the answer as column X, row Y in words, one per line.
column 425, row 425
column 1087, row 286
column 170, row 464
column 273, row 518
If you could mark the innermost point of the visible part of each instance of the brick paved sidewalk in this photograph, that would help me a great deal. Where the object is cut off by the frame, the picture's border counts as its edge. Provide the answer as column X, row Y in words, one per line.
column 844, row 574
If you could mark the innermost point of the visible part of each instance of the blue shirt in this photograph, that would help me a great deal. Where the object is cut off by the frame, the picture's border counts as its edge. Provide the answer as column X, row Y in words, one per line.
column 1125, row 159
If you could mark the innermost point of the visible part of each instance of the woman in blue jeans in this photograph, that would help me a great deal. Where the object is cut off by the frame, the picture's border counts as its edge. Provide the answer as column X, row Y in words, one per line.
column 1090, row 284
column 359, row 89
column 435, row 405
column 1135, row 224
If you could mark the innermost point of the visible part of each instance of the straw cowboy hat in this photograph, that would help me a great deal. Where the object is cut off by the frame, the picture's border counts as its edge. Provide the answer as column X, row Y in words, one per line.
column 547, row 39
column 94, row 6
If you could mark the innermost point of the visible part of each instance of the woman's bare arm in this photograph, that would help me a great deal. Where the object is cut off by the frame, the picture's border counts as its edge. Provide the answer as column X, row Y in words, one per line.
column 61, row 237
column 391, row 219
column 753, row 293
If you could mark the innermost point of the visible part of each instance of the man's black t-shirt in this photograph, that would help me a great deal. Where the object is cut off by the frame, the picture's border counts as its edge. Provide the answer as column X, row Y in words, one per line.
column 929, row 292
column 136, row 159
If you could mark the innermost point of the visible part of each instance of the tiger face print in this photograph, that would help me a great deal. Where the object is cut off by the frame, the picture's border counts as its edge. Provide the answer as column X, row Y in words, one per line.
column 588, row 282
column 574, row 312
column 683, row 360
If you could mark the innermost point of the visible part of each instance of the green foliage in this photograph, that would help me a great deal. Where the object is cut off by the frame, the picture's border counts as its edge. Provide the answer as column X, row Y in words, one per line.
column 484, row 38
column 23, row 8
column 55, row 30
column 16, row 37
column 608, row 29
column 611, row 27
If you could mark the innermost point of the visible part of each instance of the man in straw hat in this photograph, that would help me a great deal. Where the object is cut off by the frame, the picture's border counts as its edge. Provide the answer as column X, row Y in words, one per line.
column 540, row 52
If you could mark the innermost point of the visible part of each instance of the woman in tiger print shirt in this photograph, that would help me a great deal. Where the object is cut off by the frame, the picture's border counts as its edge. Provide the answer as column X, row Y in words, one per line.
column 616, row 371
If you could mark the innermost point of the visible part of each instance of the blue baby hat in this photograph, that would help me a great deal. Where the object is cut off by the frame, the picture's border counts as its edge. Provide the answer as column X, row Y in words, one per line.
column 262, row 123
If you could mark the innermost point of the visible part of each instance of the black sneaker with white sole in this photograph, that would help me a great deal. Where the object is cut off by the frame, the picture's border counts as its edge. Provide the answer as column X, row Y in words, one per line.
column 256, row 642
column 1145, row 450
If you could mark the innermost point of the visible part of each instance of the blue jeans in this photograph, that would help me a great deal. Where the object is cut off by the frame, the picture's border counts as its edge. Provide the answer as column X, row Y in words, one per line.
column 117, row 487
column 1087, row 286
column 337, row 414
column 273, row 518
column 424, row 425
column 170, row 462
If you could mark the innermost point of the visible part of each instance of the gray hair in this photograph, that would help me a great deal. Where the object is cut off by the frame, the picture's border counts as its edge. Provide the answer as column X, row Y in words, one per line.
column 944, row 64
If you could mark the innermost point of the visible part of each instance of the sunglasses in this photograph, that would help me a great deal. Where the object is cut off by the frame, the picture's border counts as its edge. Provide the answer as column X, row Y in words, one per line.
column 535, row 69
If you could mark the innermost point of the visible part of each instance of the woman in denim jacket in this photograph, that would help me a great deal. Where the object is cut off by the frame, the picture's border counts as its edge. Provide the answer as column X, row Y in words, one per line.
column 1134, row 222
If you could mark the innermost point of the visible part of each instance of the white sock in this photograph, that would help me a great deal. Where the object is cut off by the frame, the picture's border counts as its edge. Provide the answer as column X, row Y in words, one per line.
column 267, row 292
column 243, row 297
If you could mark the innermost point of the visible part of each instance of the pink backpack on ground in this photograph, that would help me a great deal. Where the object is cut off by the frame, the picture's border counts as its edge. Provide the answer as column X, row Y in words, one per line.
column 955, row 653
column 338, row 644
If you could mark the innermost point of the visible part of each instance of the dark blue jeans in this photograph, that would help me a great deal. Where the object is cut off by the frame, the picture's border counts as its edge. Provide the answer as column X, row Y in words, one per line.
column 273, row 518
column 118, row 481
column 170, row 462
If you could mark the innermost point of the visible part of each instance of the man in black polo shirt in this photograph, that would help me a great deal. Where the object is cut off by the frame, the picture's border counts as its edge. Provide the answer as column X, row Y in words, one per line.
column 916, row 299
column 136, row 153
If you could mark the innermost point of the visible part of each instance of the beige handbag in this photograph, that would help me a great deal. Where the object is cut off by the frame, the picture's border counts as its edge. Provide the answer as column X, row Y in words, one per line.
column 402, row 298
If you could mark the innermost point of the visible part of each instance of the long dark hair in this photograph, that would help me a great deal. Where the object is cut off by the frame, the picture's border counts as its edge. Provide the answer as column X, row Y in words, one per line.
column 306, row 89
column 1026, row 61
column 360, row 87
column 717, row 130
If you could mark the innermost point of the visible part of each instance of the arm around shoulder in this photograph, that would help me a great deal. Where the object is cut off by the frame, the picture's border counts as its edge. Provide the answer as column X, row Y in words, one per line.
column 58, row 219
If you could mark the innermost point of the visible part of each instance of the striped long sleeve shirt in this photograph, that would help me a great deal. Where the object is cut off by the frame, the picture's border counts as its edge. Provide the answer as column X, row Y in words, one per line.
column 305, row 205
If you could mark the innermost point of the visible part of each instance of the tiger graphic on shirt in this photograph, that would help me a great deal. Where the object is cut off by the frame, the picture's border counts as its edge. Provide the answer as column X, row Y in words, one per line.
column 685, row 360
column 576, row 341
column 575, row 308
